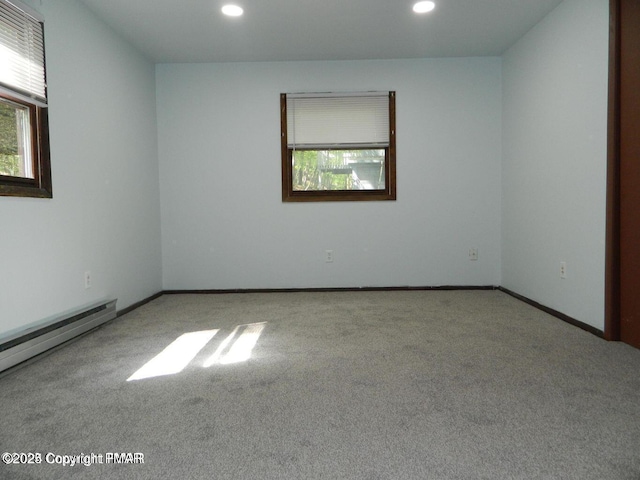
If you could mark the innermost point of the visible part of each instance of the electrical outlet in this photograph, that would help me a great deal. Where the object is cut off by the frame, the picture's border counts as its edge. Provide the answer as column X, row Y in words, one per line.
column 87, row 279
column 563, row 269
column 328, row 256
column 473, row 254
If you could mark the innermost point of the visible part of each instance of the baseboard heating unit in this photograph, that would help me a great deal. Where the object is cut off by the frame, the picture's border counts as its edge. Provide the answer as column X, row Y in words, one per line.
column 24, row 343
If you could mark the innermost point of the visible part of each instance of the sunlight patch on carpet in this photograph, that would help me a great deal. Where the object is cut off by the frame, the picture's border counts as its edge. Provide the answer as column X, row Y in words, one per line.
column 176, row 356
column 236, row 348
column 240, row 350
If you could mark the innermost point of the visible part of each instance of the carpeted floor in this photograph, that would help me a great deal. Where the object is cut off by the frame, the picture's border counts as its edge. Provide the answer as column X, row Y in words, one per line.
column 342, row 385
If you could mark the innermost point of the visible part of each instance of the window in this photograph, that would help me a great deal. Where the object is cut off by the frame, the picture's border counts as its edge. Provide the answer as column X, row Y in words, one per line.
column 24, row 128
column 338, row 147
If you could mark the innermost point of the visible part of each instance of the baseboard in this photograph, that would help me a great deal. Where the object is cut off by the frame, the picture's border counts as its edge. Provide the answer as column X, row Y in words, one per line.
column 136, row 305
column 331, row 289
column 533, row 303
column 555, row 313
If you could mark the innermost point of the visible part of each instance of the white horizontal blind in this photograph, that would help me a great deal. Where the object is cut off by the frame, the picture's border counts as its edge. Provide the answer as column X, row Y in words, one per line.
column 338, row 120
column 21, row 52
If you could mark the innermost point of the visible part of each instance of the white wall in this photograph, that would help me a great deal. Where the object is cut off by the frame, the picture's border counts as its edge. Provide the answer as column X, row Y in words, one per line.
column 104, row 216
column 554, row 168
column 224, row 224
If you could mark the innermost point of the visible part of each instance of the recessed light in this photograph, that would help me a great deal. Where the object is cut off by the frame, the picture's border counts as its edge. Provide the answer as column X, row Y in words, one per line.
column 424, row 7
column 232, row 10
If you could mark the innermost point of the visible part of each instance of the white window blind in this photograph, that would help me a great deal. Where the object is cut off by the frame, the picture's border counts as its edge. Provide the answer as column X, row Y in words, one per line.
column 21, row 52
column 338, row 120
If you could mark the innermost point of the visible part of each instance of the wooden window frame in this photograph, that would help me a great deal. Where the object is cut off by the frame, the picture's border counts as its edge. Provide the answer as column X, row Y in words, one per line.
column 31, row 93
column 40, row 185
column 291, row 195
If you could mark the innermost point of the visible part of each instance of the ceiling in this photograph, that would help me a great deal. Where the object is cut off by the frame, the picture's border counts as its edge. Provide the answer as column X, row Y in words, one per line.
column 185, row 31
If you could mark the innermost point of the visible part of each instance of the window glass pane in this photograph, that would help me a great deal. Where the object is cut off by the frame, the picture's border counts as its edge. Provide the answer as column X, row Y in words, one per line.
column 15, row 141
column 315, row 170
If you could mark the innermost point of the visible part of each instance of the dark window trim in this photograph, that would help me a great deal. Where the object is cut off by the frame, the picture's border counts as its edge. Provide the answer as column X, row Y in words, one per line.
column 40, row 186
column 290, row 195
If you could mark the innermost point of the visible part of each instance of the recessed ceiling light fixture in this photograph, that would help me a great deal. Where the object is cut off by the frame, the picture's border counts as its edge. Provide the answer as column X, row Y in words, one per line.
column 232, row 10
column 424, row 7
